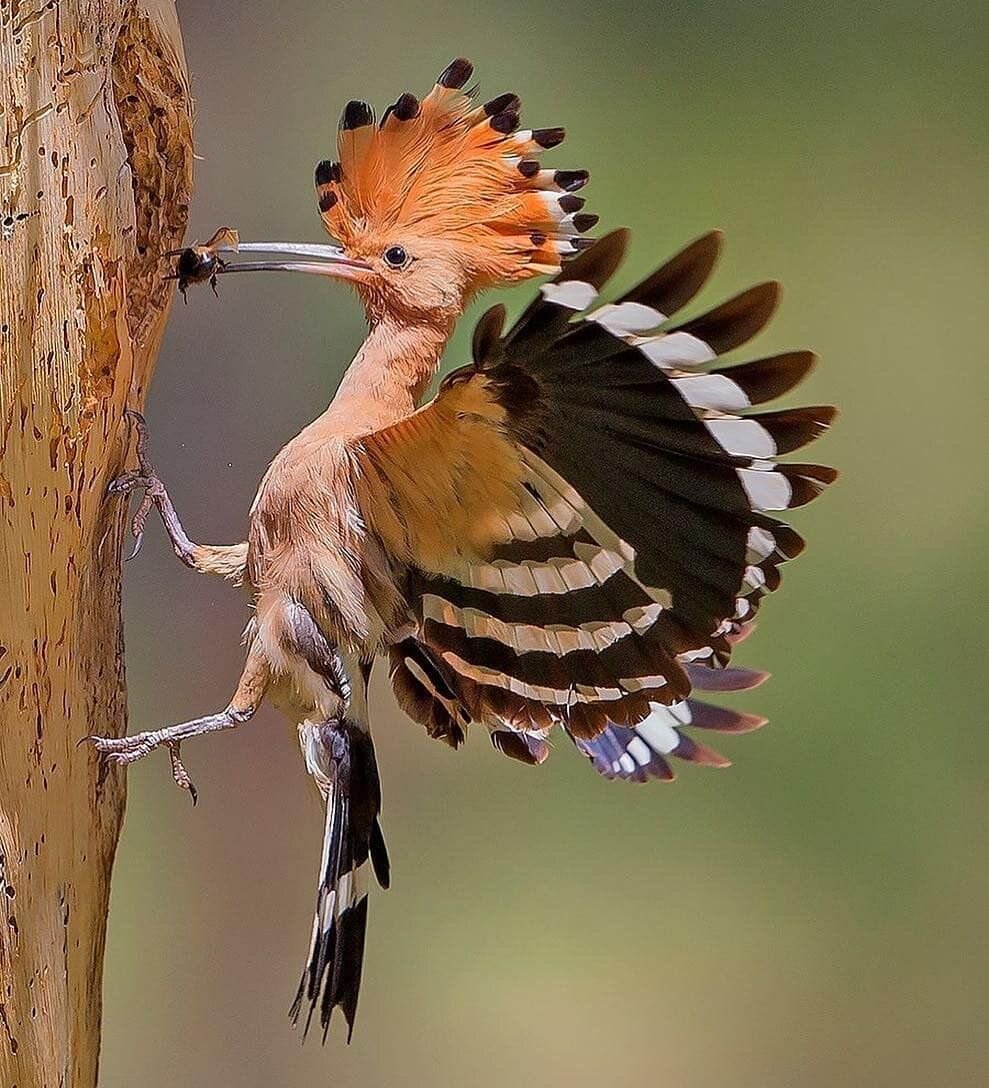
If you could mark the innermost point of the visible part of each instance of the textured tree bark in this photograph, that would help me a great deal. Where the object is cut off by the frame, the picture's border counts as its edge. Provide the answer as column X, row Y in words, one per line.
column 95, row 181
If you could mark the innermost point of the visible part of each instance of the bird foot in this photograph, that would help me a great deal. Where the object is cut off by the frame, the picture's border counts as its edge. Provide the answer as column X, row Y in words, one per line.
column 127, row 750
column 146, row 479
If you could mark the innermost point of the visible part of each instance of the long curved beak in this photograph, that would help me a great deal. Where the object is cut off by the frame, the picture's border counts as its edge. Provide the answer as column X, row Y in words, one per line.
column 332, row 261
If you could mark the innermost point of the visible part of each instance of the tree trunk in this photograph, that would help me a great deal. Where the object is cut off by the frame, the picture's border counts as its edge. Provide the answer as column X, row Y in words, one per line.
column 95, row 182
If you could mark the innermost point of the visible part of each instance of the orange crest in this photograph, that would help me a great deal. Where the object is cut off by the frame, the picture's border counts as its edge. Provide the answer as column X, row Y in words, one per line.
column 446, row 170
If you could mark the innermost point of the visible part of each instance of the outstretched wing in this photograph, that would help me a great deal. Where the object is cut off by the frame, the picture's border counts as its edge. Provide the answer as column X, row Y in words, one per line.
column 585, row 516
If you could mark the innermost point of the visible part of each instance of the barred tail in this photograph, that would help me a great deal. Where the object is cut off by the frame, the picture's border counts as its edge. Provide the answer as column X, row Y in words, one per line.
column 340, row 756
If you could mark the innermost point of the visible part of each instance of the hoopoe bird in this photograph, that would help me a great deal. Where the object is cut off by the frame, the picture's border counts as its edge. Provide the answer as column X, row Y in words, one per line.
column 573, row 533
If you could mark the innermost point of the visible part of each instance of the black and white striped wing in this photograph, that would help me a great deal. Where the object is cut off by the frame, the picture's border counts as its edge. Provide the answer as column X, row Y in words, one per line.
column 643, row 531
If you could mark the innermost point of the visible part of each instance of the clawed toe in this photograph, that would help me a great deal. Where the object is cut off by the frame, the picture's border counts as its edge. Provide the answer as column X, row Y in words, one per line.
column 134, row 481
column 104, row 745
column 145, row 473
column 122, row 759
column 126, row 750
column 125, row 483
column 123, row 750
column 179, row 773
column 130, row 481
column 144, row 478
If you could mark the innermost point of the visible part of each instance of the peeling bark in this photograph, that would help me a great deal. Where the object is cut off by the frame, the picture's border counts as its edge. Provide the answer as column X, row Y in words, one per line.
column 95, row 181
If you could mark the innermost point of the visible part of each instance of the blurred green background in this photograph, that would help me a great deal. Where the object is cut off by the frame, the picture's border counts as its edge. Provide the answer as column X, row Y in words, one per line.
column 815, row 915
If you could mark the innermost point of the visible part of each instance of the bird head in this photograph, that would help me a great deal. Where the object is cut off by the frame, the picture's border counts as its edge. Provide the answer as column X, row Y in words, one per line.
column 441, row 199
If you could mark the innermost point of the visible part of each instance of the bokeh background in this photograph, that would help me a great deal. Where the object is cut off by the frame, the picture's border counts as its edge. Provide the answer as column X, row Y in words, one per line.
column 817, row 914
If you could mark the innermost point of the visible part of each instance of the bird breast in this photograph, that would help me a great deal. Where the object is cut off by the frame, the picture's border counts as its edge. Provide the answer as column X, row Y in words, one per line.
column 308, row 543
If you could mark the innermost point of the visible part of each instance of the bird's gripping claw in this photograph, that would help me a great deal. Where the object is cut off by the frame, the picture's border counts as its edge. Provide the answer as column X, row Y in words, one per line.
column 241, row 708
column 145, row 478
column 124, row 750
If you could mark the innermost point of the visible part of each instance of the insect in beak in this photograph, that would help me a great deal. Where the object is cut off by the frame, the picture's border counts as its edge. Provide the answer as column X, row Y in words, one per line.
column 202, row 263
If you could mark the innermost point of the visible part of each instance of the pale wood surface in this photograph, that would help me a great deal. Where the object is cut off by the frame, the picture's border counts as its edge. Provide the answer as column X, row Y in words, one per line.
column 95, row 182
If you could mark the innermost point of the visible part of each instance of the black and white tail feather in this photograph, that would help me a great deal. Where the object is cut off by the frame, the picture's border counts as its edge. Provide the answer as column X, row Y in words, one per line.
column 340, row 757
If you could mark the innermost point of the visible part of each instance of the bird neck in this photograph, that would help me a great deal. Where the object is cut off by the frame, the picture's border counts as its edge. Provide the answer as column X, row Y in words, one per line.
column 389, row 375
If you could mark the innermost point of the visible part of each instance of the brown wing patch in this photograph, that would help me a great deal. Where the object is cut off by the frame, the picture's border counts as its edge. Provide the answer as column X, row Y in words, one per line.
column 438, row 486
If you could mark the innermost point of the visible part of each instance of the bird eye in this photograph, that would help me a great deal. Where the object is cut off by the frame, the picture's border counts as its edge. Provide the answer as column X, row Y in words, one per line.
column 396, row 256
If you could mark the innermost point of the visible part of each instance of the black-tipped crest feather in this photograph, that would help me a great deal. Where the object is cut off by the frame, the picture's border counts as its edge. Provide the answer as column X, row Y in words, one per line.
column 456, row 74
column 356, row 114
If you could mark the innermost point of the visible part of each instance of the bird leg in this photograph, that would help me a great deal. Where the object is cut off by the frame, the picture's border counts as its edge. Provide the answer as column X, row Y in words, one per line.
column 320, row 654
column 146, row 478
column 229, row 561
column 242, row 707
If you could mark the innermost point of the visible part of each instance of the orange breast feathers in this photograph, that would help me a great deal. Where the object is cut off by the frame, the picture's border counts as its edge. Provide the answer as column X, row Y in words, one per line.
column 436, row 488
